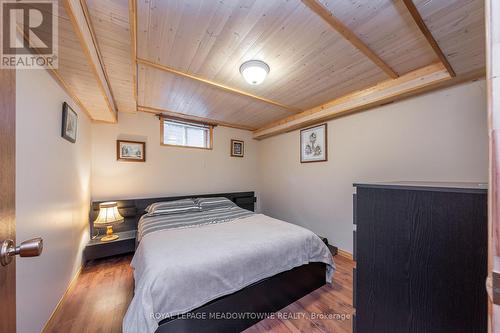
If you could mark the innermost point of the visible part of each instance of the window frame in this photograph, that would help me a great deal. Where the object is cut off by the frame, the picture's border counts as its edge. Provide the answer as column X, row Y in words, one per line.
column 186, row 122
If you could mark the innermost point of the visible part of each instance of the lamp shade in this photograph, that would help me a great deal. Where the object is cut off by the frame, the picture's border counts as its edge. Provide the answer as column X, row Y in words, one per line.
column 108, row 215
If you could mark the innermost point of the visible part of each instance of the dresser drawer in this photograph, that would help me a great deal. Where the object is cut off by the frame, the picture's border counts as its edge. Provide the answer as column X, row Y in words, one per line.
column 410, row 239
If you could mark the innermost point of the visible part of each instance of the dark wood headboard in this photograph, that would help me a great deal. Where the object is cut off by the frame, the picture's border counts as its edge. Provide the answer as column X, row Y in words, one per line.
column 133, row 209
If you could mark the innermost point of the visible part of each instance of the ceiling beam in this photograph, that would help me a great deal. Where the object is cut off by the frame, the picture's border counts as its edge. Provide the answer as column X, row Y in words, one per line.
column 164, row 112
column 80, row 21
column 421, row 80
column 336, row 24
column 132, row 10
column 88, row 19
column 428, row 35
column 214, row 84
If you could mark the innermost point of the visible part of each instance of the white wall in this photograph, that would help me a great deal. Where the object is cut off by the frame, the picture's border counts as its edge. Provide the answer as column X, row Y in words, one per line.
column 440, row 136
column 52, row 196
column 168, row 170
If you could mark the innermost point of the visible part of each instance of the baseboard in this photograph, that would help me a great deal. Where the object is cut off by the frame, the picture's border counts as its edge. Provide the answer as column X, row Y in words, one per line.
column 345, row 254
column 61, row 301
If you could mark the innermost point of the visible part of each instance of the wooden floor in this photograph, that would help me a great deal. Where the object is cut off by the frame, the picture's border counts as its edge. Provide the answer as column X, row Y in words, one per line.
column 99, row 299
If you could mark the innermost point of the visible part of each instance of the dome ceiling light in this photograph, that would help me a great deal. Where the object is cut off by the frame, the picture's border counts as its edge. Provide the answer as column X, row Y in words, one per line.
column 254, row 71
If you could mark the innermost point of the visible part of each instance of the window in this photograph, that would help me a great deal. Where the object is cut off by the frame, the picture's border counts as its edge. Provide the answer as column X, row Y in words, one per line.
column 186, row 134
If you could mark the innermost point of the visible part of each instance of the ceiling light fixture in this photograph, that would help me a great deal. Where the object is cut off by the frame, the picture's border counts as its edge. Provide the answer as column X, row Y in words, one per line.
column 254, row 71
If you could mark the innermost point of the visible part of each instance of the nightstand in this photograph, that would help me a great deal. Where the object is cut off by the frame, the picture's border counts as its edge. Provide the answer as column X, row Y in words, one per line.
column 96, row 249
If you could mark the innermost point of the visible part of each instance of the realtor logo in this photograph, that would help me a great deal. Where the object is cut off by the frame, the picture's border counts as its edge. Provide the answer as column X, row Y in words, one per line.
column 29, row 34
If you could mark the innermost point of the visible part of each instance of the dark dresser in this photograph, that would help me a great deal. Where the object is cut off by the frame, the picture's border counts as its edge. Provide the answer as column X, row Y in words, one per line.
column 421, row 257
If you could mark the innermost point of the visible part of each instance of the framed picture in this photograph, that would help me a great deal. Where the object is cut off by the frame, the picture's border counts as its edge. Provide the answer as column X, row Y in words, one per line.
column 237, row 148
column 313, row 144
column 130, row 151
column 69, row 123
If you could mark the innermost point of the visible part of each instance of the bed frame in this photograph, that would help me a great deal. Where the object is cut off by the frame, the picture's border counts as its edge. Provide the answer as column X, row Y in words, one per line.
column 259, row 299
column 252, row 304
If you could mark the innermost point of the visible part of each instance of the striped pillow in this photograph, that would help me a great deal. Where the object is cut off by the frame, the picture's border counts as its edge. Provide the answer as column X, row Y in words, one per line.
column 172, row 207
column 215, row 202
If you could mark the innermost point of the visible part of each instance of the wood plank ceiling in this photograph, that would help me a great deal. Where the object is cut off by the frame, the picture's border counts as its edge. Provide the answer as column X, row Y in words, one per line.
column 183, row 56
column 110, row 22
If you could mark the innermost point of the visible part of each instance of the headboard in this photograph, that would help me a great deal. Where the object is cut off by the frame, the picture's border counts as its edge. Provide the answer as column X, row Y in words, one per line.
column 133, row 209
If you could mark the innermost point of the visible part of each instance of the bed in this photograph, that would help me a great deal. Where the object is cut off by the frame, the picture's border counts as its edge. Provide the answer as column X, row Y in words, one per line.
column 219, row 269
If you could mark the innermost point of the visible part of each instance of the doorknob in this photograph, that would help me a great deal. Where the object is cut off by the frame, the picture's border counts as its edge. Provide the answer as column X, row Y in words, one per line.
column 29, row 248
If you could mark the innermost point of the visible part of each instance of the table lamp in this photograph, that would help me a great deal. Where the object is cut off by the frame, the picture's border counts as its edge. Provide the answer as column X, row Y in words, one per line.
column 108, row 216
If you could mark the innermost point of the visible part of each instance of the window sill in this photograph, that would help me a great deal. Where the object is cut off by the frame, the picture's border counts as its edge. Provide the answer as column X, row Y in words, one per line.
column 190, row 147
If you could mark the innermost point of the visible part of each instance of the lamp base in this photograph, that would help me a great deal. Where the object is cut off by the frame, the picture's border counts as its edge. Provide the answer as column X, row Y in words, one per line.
column 109, row 238
column 109, row 235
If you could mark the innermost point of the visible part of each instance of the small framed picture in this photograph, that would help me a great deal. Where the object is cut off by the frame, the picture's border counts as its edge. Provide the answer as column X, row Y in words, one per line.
column 237, row 148
column 69, row 123
column 313, row 144
column 130, row 151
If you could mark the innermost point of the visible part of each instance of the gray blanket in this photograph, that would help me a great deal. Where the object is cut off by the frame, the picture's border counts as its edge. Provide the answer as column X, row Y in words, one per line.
column 177, row 270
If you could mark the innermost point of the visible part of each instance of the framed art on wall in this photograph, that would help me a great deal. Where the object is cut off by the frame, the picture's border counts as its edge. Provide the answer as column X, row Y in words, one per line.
column 69, row 123
column 130, row 151
column 237, row 148
column 313, row 144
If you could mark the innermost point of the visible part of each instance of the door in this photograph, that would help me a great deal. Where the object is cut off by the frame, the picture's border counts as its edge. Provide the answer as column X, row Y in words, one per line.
column 493, row 92
column 7, row 195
